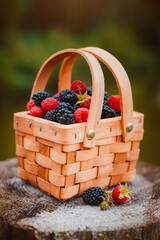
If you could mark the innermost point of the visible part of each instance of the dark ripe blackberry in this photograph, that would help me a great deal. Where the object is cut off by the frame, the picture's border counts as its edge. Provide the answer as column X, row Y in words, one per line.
column 65, row 116
column 65, row 105
column 57, row 98
column 107, row 112
column 93, row 196
column 89, row 91
column 106, row 96
column 38, row 97
column 118, row 114
column 51, row 115
column 68, row 96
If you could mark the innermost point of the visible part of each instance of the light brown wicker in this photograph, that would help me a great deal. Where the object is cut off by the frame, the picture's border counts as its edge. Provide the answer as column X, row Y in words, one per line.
column 64, row 160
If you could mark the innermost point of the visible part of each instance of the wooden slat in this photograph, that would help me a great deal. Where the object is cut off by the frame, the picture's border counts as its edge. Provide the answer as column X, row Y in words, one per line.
column 31, row 145
column 135, row 145
column 103, row 160
column 70, row 168
column 44, row 185
column 133, row 155
column 105, row 141
column 84, row 155
column 44, row 150
column 43, row 173
column 20, row 162
column 85, row 165
column 84, row 176
column 67, row 193
column 55, row 191
column 22, row 174
column 71, row 147
column 132, row 165
column 43, row 161
column 102, row 182
column 128, row 176
column 58, row 157
column 32, row 179
column 19, row 140
column 119, row 169
column 138, row 136
column 56, row 179
column 85, row 185
column 104, row 171
column 30, row 167
column 120, row 157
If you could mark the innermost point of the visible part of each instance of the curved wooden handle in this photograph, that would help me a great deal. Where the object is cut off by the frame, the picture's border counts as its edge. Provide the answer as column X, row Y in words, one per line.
column 120, row 76
column 97, row 81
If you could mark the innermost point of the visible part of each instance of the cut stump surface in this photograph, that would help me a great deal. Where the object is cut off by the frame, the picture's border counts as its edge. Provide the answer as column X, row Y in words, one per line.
column 27, row 213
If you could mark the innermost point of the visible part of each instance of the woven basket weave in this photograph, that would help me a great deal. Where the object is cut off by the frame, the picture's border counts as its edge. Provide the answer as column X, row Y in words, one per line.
column 63, row 160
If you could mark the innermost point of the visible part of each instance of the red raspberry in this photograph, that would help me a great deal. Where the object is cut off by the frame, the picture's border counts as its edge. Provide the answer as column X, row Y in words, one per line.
column 120, row 193
column 81, row 115
column 30, row 104
column 114, row 102
column 82, row 87
column 49, row 104
column 36, row 111
column 86, row 104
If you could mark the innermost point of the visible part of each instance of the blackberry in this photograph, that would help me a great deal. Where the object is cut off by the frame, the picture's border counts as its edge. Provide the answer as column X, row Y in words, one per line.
column 107, row 112
column 106, row 96
column 118, row 114
column 93, row 196
column 89, row 92
column 51, row 115
column 68, row 96
column 57, row 98
column 39, row 97
column 65, row 105
column 65, row 116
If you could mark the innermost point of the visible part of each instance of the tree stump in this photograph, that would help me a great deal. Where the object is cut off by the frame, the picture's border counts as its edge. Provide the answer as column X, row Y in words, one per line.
column 27, row 213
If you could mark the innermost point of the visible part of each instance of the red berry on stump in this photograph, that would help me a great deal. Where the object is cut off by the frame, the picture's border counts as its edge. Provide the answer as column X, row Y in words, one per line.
column 121, row 194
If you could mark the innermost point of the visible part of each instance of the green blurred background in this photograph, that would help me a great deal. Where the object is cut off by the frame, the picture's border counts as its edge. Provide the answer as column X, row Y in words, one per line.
column 32, row 30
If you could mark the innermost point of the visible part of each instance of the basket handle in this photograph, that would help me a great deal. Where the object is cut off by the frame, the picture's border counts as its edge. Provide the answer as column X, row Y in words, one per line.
column 97, row 81
column 122, row 81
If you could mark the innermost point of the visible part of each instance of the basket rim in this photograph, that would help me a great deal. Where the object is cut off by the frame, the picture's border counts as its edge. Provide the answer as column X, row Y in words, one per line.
column 74, row 125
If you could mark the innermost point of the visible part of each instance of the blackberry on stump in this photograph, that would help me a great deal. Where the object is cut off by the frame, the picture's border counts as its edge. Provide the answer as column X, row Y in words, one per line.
column 93, row 196
column 68, row 96
column 38, row 97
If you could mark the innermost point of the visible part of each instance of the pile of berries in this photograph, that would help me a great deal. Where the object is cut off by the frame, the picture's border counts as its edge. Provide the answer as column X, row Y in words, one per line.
column 71, row 105
column 98, row 196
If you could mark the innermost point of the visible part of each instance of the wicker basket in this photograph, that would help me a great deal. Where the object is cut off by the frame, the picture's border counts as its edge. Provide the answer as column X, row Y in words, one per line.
column 65, row 160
